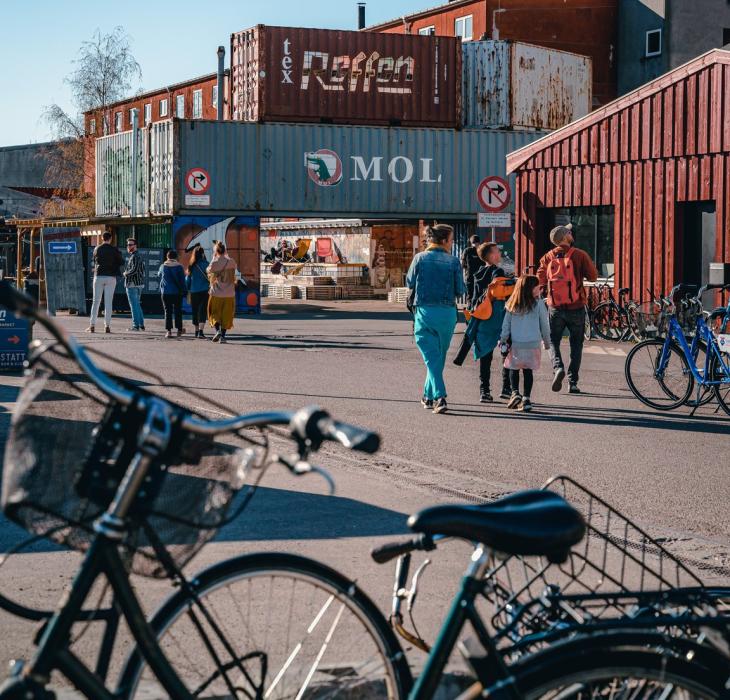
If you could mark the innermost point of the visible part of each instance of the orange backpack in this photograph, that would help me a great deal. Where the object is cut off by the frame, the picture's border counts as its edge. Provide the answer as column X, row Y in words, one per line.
column 563, row 286
column 499, row 289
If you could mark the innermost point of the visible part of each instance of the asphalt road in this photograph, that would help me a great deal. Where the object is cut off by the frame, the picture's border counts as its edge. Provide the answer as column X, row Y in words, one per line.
column 669, row 472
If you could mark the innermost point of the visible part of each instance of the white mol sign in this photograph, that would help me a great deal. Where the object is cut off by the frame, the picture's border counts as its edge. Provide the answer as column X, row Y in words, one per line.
column 326, row 169
column 373, row 72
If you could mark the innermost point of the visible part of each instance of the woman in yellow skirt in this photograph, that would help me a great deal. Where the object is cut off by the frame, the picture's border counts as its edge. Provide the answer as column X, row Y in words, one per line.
column 222, row 302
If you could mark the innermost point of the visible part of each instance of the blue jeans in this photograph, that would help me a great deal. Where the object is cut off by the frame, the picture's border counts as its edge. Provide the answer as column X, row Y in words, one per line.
column 133, row 295
column 433, row 330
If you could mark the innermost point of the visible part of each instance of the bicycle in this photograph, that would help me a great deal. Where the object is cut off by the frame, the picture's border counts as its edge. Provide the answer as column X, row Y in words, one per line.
column 613, row 320
column 151, row 460
column 662, row 372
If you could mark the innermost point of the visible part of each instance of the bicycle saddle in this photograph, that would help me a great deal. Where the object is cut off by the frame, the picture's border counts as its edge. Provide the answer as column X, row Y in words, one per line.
column 538, row 523
column 718, row 313
column 624, row 290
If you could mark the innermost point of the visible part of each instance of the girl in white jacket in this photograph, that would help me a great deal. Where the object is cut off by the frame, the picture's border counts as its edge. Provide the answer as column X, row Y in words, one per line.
column 525, row 324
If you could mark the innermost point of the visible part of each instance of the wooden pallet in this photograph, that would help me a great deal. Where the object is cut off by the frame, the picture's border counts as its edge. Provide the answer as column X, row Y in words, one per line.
column 280, row 291
column 314, row 293
column 357, row 292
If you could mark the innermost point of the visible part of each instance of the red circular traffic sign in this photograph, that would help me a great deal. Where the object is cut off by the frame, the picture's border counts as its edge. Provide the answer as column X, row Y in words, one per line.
column 494, row 193
column 197, row 181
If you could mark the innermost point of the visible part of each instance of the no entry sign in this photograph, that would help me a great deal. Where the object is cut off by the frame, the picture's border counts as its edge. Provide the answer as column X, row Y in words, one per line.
column 197, row 181
column 494, row 193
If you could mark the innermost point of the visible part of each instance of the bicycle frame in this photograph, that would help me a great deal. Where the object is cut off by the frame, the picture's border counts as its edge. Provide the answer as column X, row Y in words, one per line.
column 102, row 559
column 676, row 334
column 493, row 673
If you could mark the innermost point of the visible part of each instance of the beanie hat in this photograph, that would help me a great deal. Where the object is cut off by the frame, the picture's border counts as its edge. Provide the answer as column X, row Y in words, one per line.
column 560, row 232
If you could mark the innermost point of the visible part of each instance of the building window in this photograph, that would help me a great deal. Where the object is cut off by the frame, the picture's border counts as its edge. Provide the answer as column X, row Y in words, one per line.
column 653, row 43
column 593, row 232
column 148, row 113
column 180, row 106
column 105, row 125
column 92, row 126
column 197, row 104
column 214, row 96
column 427, row 31
column 132, row 112
column 118, row 122
column 725, row 36
column 463, row 27
column 163, row 108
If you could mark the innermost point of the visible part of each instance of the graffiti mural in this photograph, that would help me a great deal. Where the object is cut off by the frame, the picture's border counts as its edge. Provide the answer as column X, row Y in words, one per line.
column 241, row 237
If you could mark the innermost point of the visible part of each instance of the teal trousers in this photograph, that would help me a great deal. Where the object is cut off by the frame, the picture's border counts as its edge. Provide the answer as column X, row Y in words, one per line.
column 433, row 329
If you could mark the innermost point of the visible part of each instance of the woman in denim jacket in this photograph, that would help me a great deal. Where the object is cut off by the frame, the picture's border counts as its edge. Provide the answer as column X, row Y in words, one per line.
column 435, row 276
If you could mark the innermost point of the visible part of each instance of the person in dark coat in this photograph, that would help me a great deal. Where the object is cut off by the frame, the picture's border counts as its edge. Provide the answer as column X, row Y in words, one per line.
column 172, row 289
column 470, row 263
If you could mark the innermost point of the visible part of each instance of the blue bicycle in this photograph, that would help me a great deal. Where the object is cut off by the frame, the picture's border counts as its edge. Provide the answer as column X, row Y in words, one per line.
column 663, row 372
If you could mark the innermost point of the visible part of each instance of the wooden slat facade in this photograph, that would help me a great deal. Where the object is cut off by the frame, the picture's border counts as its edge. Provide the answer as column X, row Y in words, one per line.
column 667, row 142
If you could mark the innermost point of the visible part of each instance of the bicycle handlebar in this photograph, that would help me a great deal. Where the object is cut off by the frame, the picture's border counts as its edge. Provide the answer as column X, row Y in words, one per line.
column 311, row 424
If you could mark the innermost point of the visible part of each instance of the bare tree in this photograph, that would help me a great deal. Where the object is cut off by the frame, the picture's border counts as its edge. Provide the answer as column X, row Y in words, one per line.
column 105, row 72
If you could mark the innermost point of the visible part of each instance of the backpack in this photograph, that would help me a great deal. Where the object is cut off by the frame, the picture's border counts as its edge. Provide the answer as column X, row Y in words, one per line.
column 499, row 289
column 563, row 286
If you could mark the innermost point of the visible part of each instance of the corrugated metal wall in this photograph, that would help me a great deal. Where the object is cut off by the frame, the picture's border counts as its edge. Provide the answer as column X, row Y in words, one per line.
column 510, row 84
column 273, row 169
column 667, row 143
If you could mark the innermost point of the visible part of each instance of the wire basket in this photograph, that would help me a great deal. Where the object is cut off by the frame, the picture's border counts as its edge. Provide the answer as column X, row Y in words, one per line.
column 54, row 488
column 648, row 320
column 617, row 572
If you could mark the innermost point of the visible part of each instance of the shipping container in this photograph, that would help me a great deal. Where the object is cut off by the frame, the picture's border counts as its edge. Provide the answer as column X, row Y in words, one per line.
column 341, row 77
column 311, row 170
column 510, row 84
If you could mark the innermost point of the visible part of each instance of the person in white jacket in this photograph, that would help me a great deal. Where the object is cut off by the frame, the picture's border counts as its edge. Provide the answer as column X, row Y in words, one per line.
column 525, row 324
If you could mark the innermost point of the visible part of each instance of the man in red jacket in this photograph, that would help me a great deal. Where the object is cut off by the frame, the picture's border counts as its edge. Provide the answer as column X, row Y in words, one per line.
column 561, row 274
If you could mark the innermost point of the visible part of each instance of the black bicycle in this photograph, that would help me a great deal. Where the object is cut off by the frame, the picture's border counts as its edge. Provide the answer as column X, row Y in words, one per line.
column 140, row 483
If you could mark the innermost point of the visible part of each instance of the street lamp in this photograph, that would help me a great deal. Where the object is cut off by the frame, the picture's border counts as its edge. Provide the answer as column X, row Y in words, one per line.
column 495, row 31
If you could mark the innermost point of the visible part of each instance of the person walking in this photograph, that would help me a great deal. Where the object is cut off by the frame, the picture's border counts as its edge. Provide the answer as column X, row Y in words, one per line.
column 561, row 273
column 107, row 261
column 134, row 283
column 172, row 289
column 487, row 332
column 198, row 284
column 222, row 302
column 470, row 264
column 525, row 324
column 436, row 279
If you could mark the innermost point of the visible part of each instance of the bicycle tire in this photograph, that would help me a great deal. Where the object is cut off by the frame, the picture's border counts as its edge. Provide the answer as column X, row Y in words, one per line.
column 721, row 391
column 588, row 324
column 584, row 665
column 249, row 570
column 654, row 388
column 609, row 321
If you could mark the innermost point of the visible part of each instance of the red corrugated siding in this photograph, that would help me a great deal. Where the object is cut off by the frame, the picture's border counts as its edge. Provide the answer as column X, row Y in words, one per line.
column 664, row 146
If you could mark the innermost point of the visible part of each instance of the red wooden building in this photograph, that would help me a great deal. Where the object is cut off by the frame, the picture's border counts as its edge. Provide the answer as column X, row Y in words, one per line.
column 645, row 180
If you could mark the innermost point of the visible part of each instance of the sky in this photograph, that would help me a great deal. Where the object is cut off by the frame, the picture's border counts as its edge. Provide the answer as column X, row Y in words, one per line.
column 172, row 40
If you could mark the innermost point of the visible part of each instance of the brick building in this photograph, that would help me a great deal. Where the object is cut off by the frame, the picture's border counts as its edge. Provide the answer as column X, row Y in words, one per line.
column 191, row 99
column 586, row 27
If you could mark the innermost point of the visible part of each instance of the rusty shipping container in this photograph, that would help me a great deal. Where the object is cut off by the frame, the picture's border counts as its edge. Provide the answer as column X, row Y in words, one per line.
column 341, row 77
column 509, row 84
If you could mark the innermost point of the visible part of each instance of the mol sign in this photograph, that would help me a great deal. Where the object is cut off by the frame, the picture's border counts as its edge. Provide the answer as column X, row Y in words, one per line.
column 326, row 169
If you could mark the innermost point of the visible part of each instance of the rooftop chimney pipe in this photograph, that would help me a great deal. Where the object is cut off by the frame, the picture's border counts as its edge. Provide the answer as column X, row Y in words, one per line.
column 220, row 91
column 361, row 15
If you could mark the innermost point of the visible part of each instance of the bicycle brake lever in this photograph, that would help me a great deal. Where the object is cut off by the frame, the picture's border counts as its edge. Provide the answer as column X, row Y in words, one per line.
column 413, row 592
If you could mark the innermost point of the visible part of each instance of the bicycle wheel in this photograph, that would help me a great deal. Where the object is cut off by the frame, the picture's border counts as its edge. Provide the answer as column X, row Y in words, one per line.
column 660, row 388
column 588, row 324
column 274, row 626
column 609, row 322
column 586, row 669
column 718, row 373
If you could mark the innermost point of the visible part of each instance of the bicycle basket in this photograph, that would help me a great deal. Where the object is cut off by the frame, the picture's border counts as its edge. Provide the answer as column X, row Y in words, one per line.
column 57, row 420
column 608, row 576
column 648, row 320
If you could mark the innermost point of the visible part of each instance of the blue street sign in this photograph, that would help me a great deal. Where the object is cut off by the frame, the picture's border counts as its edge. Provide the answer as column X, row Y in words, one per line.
column 56, row 247
column 13, row 341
